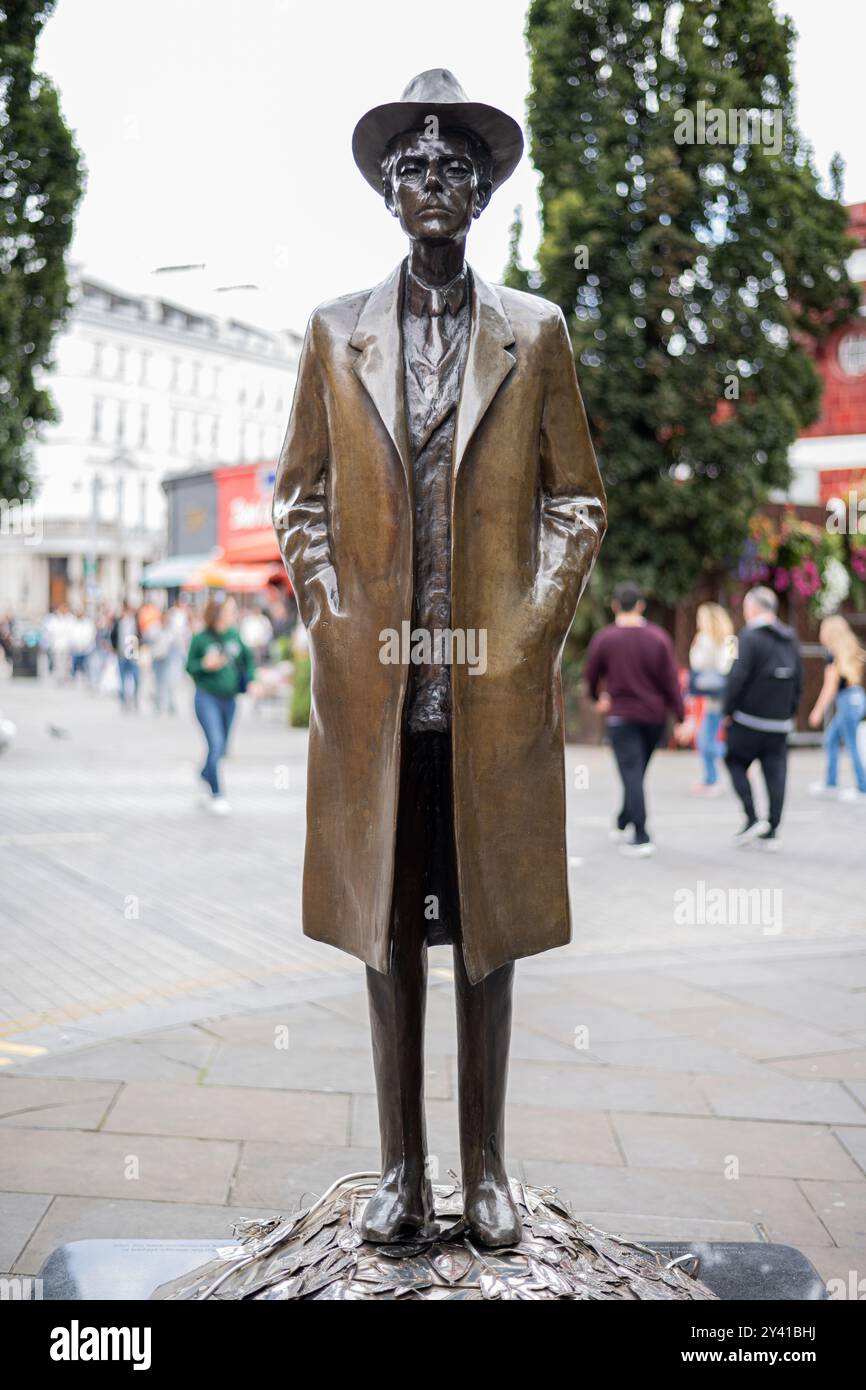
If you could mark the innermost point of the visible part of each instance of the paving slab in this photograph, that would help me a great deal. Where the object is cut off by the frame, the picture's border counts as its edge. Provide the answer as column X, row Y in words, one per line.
column 230, row 1112
column 854, row 1140
column 581, row 1086
column 754, row 1031
column 120, row 1061
column 271, row 1175
column 114, row 1165
column 776, row 1206
column 842, row 1209
column 778, row 1098
column 20, row 1214
column 831, row 1066
column 41, row 1102
column 734, row 1147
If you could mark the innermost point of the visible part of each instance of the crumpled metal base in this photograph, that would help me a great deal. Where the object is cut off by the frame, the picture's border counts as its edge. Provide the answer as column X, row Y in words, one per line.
column 319, row 1254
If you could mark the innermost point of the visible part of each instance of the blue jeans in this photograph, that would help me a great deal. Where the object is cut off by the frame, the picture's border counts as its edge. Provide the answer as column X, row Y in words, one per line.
column 850, row 708
column 127, row 671
column 709, row 746
column 215, row 713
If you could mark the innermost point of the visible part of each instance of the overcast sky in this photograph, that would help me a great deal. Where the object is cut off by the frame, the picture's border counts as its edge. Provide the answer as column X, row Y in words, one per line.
column 219, row 131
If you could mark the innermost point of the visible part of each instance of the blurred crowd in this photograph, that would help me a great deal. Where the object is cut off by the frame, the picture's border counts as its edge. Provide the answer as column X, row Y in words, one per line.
column 137, row 653
column 737, row 705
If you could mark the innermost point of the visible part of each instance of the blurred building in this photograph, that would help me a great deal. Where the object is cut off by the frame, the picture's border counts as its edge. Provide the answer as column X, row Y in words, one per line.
column 145, row 388
column 829, row 458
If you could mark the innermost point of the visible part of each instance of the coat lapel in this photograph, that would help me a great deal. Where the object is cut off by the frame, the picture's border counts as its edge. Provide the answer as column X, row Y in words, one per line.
column 487, row 364
column 379, row 340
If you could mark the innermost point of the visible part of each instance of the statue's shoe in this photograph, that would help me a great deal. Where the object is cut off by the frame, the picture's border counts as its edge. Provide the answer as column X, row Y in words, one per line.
column 398, row 1210
column 490, row 1212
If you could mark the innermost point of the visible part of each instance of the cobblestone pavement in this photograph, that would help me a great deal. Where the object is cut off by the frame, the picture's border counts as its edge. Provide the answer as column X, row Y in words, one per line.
column 174, row 1054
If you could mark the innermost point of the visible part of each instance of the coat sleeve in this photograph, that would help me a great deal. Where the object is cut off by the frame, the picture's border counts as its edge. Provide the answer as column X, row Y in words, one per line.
column 300, row 511
column 741, row 671
column 573, row 504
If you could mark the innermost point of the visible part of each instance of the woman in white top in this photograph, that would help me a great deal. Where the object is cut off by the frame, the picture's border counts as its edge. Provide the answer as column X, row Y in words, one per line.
column 710, row 659
column 844, row 689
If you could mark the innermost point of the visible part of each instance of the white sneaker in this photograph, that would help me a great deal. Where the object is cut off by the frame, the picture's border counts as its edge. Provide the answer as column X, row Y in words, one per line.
column 639, row 851
column 751, row 832
column 617, row 836
column 821, row 789
column 219, row 806
column 851, row 794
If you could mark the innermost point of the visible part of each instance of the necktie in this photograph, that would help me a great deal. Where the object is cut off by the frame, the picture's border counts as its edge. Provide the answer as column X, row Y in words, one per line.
column 434, row 343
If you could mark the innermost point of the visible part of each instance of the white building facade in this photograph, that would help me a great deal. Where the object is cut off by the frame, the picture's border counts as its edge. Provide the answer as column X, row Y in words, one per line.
column 143, row 388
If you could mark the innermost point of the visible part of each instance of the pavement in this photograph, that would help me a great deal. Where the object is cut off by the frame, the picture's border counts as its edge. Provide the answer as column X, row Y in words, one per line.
column 175, row 1056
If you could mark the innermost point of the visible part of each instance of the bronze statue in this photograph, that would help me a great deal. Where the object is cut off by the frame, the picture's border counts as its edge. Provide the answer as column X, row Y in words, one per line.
column 437, row 493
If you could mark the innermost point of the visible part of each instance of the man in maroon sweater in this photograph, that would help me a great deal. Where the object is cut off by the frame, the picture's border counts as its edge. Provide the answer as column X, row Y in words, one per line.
column 634, row 661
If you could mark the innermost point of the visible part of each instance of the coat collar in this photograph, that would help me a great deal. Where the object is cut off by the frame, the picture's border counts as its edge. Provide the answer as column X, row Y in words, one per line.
column 378, row 340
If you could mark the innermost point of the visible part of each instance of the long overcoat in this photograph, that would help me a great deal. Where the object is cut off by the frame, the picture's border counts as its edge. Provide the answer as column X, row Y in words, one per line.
column 527, row 519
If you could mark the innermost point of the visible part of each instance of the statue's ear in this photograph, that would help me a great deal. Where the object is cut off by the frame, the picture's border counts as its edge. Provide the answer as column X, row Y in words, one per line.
column 483, row 194
column 388, row 193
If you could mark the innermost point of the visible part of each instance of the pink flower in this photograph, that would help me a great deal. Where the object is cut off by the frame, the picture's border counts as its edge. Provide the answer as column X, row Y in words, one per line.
column 807, row 578
column 781, row 580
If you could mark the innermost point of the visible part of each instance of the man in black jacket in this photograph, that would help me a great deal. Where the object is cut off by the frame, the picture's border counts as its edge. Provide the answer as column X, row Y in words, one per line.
column 760, row 704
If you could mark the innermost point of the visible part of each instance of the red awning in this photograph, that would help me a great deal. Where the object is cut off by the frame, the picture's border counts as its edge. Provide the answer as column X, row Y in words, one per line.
column 256, row 549
column 236, row 579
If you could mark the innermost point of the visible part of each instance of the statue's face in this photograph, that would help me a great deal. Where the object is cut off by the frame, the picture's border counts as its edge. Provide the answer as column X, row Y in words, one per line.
column 434, row 189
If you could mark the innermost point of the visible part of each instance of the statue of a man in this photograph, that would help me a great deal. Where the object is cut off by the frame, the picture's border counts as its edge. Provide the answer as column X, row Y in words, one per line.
column 439, row 508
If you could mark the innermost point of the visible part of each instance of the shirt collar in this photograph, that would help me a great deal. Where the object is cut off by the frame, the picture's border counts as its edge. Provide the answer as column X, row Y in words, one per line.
column 426, row 299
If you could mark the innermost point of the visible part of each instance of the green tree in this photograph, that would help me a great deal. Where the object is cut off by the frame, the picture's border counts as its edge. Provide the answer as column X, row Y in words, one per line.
column 516, row 276
column 40, row 185
column 694, row 276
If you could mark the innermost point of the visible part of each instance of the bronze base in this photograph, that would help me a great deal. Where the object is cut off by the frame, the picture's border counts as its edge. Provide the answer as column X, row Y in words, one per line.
column 320, row 1254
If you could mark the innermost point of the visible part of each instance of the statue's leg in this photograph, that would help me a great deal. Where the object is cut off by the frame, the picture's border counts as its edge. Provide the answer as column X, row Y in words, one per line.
column 402, row 1204
column 483, row 1038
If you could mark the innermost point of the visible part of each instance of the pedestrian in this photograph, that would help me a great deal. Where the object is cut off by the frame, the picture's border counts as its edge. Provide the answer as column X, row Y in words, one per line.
column 177, row 625
column 160, row 643
column 126, row 644
column 222, row 667
column 634, row 660
column 761, row 701
column 82, row 642
column 843, row 684
column 710, row 660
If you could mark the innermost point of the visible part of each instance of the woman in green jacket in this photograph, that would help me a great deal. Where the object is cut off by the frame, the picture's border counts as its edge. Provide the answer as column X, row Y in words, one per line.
column 222, row 667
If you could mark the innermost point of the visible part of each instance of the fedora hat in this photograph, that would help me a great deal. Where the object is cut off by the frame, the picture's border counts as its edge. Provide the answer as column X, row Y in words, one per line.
column 435, row 93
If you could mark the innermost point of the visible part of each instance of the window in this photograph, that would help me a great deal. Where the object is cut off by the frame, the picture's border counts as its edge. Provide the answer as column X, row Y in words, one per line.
column 852, row 354
column 96, row 418
column 142, row 427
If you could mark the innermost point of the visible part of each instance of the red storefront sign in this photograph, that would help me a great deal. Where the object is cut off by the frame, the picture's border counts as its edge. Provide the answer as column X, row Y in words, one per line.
column 244, row 530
